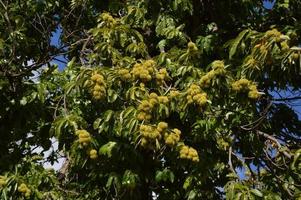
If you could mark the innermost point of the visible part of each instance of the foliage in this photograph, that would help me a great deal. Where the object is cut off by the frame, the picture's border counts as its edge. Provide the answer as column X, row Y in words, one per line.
column 158, row 100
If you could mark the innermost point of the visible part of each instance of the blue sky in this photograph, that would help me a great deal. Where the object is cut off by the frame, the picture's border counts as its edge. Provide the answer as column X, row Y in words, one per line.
column 268, row 4
column 55, row 41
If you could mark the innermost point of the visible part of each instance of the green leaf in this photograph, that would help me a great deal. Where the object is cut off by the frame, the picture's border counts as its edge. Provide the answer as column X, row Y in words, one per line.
column 108, row 115
column 97, row 123
column 107, row 148
column 165, row 175
column 192, row 195
column 256, row 192
column 187, row 182
column 236, row 42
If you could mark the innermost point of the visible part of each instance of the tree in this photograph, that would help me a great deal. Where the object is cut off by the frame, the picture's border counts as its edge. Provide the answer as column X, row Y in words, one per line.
column 158, row 100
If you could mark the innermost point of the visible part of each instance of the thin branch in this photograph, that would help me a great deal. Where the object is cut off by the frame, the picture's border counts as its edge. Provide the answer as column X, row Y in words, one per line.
column 230, row 160
column 288, row 99
column 258, row 121
column 270, row 137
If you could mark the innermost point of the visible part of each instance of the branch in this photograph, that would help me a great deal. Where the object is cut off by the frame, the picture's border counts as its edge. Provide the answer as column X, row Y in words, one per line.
column 275, row 141
column 258, row 121
column 288, row 99
column 230, row 160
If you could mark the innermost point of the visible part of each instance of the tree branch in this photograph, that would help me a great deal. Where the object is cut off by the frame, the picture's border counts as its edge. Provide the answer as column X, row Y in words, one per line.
column 288, row 99
column 270, row 137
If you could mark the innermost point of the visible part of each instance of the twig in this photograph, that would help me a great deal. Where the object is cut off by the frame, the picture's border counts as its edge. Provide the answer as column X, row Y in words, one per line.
column 275, row 141
column 230, row 160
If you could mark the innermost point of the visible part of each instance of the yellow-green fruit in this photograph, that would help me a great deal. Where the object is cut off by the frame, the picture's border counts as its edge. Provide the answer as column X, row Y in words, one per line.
column 184, row 150
column 284, row 45
column 145, row 106
column 295, row 56
column 163, row 99
column 84, row 137
column 93, row 154
column 126, row 76
column 195, row 159
column 162, row 125
column 169, row 141
column 82, row 133
column 211, row 74
column 163, row 71
column 159, row 77
column 263, row 49
column 96, row 77
column 218, row 64
column 172, row 139
column 97, row 88
column 143, row 127
column 96, row 93
column 202, row 100
column 242, row 84
column 2, row 181
column 153, row 101
column 23, row 188
column 149, row 63
column 148, row 77
column 27, row 193
column 253, row 87
column 141, row 116
column 174, row 93
column 176, row 131
column 153, row 95
column 189, row 153
column 204, row 79
column 191, row 46
column 144, row 142
column 253, row 94
column 123, row 71
column 182, row 156
column 84, row 140
column 148, row 116
column 189, row 98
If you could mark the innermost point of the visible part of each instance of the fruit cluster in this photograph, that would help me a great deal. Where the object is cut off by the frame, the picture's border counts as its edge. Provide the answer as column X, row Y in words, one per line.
column 174, row 94
column 241, row 85
column 144, row 70
column 149, row 136
column 195, row 95
column 295, row 56
column 244, row 85
column 146, row 106
column 145, row 109
column 162, row 76
column 274, row 33
column 124, row 74
column 84, row 137
column 93, row 154
column 173, row 138
column 284, row 46
column 192, row 47
column 108, row 19
column 24, row 190
column 189, row 153
column 163, row 99
column 162, row 127
column 98, row 86
column 2, row 181
column 218, row 69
